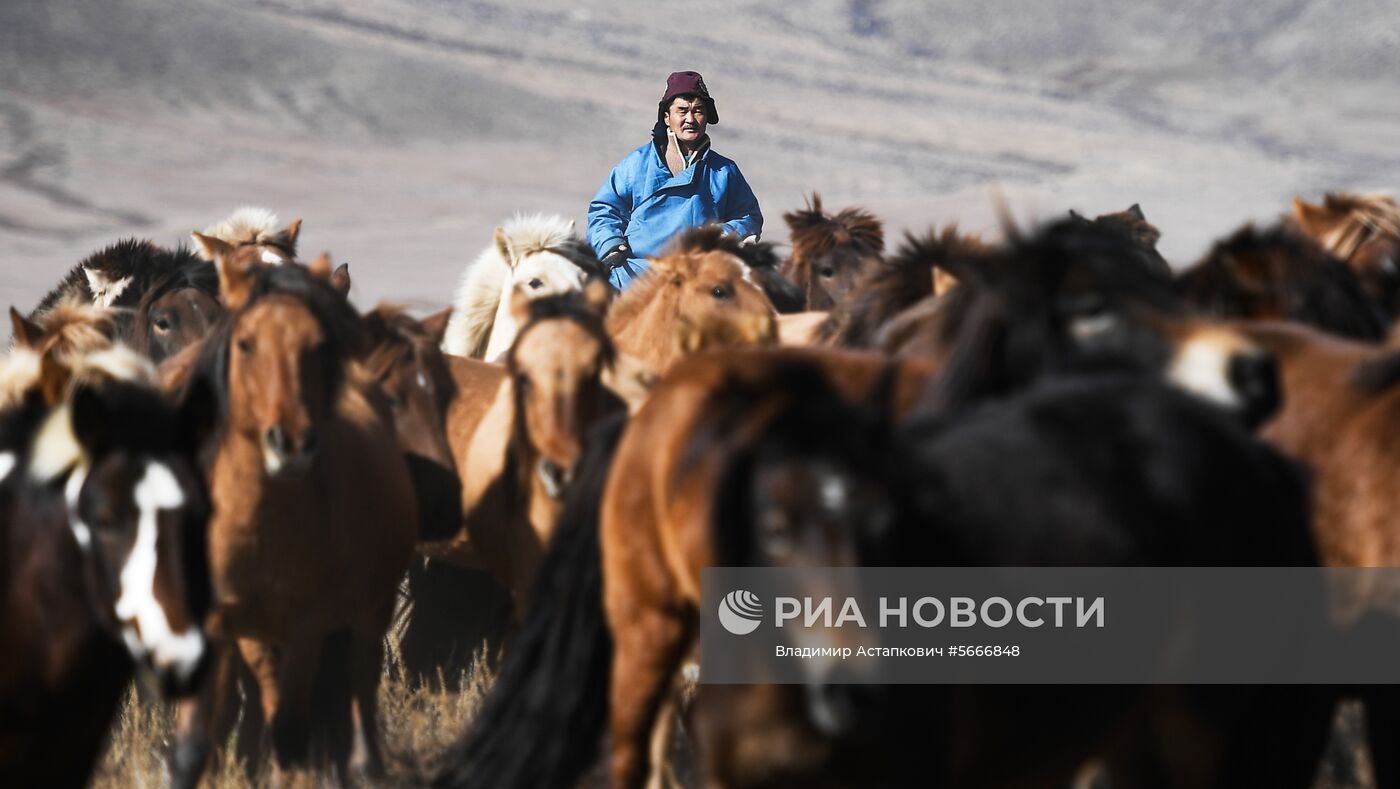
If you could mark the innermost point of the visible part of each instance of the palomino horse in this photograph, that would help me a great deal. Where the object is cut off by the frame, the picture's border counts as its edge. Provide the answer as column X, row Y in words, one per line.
column 1281, row 274
column 103, row 517
column 310, row 489
column 831, row 252
column 704, row 280
column 516, row 429
column 1364, row 231
column 540, row 254
column 250, row 227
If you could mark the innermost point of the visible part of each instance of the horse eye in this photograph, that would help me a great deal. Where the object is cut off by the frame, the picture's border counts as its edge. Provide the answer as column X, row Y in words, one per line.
column 245, row 345
column 162, row 324
column 721, row 292
column 828, row 272
column 536, row 284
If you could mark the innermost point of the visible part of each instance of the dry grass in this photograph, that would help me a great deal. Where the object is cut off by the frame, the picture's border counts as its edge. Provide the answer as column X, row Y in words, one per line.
column 418, row 723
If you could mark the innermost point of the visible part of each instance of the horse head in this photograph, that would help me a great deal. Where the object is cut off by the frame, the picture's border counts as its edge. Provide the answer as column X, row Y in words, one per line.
column 279, row 355
column 831, row 252
column 556, row 366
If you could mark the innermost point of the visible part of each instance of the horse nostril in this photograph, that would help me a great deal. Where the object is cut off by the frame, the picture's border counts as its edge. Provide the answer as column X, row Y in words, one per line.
column 1255, row 377
column 276, row 439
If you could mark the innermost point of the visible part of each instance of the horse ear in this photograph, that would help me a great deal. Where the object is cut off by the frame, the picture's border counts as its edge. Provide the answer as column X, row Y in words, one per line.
column 235, row 279
column 1073, row 214
column 1307, row 214
column 291, row 231
column 211, row 248
column 340, row 279
column 503, row 247
column 1136, row 211
column 27, row 333
column 572, row 224
column 435, row 325
column 320, row 266
column 597, row 294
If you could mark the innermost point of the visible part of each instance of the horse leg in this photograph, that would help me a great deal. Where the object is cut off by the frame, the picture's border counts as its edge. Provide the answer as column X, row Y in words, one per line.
column 648, row 647
column 366, row 666
column 661, row 735
column 286, row 679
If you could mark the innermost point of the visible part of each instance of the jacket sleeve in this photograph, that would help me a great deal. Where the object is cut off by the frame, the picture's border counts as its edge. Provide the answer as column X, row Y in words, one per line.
column 740, row 207
column 611, row 208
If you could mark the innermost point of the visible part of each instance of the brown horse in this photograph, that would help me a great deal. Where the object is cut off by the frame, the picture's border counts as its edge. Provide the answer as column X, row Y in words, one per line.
column 705, row 279
column 315, row 516
column 1364, row 231
column 1280, row 274
column 103, row 518
column 176, row 311
column 908, row 277
column 1341, row 416
column 831, row 252
column 516, row 429
column 406, row 361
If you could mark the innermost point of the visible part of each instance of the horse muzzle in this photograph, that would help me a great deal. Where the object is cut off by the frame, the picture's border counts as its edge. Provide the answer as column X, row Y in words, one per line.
column 286, row 456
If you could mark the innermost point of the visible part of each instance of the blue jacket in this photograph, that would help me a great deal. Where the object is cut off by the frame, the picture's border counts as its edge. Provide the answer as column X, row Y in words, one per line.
column 643, row 205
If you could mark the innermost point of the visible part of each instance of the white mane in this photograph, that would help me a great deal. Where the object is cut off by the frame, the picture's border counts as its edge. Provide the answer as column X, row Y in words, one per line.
column 247, row 225
column 480, row 290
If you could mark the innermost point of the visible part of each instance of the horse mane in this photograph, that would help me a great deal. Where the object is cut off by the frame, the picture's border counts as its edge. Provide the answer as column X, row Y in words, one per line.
column 250, row 225
column 813, row 232
column 478, row 294
column 1133, row 222
column 130, row 257
column 1363, row 216
column 189, row 271
column 999, row 325
column 342, row 326
column 905, row 279
column 1255, row 268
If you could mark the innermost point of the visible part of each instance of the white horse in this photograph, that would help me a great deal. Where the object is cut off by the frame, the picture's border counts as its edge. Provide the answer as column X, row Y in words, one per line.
column 542, row 255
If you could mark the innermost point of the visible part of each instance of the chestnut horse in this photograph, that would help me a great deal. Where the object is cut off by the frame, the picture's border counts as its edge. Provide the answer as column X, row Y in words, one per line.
column 831, row 251
column 103, row 518
column 315, row 517
column 704, row 280
column 1281, row 274
column 515, row 431
column 1342, row 416
column 540, row 254
column 1363, row 231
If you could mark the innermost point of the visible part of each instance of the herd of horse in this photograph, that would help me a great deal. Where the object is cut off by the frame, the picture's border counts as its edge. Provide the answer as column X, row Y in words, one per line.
column 216, row 473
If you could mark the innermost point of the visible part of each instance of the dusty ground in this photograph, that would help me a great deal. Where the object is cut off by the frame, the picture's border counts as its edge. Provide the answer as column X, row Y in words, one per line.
column 403, row 132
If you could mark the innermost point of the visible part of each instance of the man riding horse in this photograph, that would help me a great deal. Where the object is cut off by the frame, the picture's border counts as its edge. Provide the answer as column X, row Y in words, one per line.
column 673, row 182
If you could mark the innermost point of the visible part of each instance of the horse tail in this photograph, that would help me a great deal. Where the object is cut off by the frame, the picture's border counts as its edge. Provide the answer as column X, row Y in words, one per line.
column 539, row 724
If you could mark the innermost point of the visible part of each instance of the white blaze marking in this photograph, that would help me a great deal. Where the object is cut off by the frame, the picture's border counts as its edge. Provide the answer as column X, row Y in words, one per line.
column 268, row 256
column 1202, row 369
column 7, row 464
column 157, row 490
column 71, row 489
column 833, row 492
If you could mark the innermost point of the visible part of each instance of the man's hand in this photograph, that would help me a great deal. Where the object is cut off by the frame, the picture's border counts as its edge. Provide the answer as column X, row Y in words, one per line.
column 617, row 256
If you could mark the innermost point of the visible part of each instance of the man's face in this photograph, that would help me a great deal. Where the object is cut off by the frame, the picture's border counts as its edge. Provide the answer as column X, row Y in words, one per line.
column 686, row 118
